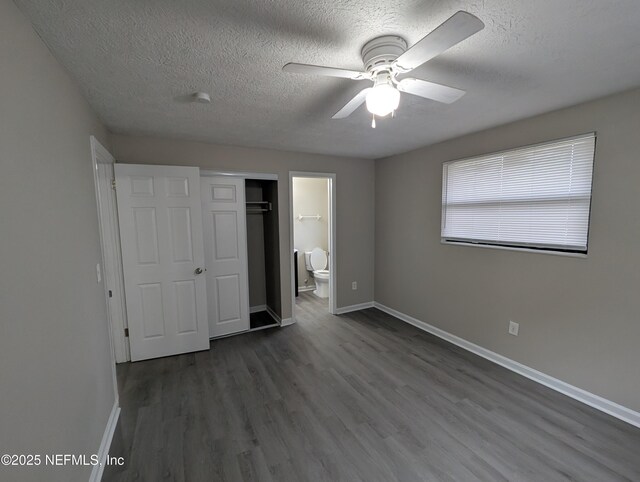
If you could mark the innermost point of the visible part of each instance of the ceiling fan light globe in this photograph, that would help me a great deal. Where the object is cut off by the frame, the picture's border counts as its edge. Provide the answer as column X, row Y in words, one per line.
column 382, row 100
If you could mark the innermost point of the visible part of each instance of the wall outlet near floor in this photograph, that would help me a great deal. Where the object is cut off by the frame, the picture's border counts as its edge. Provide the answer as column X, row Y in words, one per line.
column 514, row 328
column 354, row 285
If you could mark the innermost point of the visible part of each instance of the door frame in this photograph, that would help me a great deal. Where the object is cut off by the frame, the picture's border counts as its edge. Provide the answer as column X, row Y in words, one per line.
column 242, row 174
column 331, row 176
column 111, row 259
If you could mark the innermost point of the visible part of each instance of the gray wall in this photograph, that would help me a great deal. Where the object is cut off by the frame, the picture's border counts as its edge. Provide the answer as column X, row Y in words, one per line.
column 355, row 198
column 55, row 363
column 579, row 318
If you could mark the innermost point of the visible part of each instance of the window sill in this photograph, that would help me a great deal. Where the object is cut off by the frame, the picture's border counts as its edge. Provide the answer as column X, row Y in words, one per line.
column 511, row 248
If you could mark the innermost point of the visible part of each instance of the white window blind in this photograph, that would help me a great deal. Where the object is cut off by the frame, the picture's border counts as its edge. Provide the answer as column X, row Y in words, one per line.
column 536, row 196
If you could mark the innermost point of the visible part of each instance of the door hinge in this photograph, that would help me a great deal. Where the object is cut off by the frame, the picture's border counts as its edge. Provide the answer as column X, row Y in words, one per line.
column 113, row 184
column 126, row 332
column 110, row 294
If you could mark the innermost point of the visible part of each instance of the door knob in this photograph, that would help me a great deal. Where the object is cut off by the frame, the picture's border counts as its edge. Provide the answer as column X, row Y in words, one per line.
column 198, row 271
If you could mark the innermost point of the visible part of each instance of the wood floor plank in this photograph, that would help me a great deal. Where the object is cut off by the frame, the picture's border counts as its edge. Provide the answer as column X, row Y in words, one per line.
column 356, row 397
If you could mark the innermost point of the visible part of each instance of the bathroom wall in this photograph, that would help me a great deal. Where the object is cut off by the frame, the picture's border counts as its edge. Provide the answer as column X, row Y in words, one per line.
column 310, row 197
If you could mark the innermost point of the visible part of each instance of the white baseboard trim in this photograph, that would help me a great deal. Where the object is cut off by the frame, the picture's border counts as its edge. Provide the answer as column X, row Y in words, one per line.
column 287, row 322
column 358, row 307
column 256, row 309
column 105, row 444
column 273, row 315
column 607, row 406
column 306, row 288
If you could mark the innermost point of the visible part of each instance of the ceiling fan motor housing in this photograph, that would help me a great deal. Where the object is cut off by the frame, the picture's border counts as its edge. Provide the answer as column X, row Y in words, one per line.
column 379, row 53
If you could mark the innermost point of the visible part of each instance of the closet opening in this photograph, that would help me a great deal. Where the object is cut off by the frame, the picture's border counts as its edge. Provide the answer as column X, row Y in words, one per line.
column 263, row 250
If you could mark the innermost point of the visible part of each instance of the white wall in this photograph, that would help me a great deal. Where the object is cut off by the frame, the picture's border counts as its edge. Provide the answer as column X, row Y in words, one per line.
column 56, row 386
column 354, row 192
column 579, row 318
column 310, row 197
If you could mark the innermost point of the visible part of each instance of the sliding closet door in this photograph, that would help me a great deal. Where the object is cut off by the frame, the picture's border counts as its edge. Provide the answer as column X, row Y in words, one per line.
column 159, row 212
column 225, row 242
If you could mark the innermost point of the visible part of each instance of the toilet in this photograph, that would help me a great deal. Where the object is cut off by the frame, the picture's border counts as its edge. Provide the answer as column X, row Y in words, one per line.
column 316, row 262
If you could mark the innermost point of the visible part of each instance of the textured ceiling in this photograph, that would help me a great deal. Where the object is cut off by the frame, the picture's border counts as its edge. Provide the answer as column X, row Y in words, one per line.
column 137, row 61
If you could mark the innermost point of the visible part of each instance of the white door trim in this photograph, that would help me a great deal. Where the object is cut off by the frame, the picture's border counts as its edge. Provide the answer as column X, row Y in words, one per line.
column 112, row 256
column 243, row 174
column 332, row 238
column 98, row 152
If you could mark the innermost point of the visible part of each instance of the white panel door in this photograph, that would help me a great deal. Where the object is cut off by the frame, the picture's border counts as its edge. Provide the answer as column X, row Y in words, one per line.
column 159, row 211
column 225, row 244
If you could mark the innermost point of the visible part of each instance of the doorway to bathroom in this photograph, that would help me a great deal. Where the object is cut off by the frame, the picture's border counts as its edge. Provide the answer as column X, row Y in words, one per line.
column 313, row 273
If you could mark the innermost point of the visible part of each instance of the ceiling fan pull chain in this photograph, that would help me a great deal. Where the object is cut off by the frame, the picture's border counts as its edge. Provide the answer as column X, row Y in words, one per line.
column 373, row 121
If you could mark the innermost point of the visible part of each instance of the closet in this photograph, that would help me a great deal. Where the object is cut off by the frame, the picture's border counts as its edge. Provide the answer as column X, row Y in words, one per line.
column 201, row 256
column 242, row 253
column 263, row 252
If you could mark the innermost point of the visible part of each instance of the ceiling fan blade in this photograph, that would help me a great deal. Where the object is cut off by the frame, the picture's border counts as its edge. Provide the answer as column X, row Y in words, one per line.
column 430, row 90
column 353, row 104
column 326, row 71
column 454, row 30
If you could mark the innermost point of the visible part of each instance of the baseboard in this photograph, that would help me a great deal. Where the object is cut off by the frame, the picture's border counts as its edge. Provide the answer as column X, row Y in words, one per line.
column 273, row 315
column 306, row 288
column 256, row 309
column 287, row 322
column 350, row 308
column 105, row 444
column 607, row 406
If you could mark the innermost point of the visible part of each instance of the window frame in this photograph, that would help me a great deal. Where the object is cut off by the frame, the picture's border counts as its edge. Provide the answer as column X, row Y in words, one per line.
column 523, row 247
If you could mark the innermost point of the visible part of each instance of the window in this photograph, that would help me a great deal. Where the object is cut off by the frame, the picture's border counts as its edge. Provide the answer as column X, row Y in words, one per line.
column 533, row 197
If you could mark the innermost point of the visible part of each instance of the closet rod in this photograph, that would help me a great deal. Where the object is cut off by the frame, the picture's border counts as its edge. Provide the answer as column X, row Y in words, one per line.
column 259, row 206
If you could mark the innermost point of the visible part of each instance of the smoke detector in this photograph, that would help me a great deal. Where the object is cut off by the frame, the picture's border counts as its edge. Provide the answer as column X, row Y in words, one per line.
column 201, row 98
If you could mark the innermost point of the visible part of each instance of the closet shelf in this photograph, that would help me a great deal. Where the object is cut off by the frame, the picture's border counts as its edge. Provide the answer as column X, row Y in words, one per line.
column 257, row 207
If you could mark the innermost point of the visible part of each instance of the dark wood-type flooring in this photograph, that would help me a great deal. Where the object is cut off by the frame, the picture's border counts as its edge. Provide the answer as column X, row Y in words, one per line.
column 357, row 397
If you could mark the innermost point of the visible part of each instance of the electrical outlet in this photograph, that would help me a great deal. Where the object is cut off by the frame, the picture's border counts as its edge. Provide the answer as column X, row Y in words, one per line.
column 514, row 328
column 354, row 285
column 98, row 273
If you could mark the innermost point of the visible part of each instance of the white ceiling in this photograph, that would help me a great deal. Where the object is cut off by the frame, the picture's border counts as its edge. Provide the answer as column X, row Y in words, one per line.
column 137, row 61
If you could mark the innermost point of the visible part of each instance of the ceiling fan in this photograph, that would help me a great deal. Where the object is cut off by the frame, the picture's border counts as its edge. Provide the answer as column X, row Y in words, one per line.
column 385, row 58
